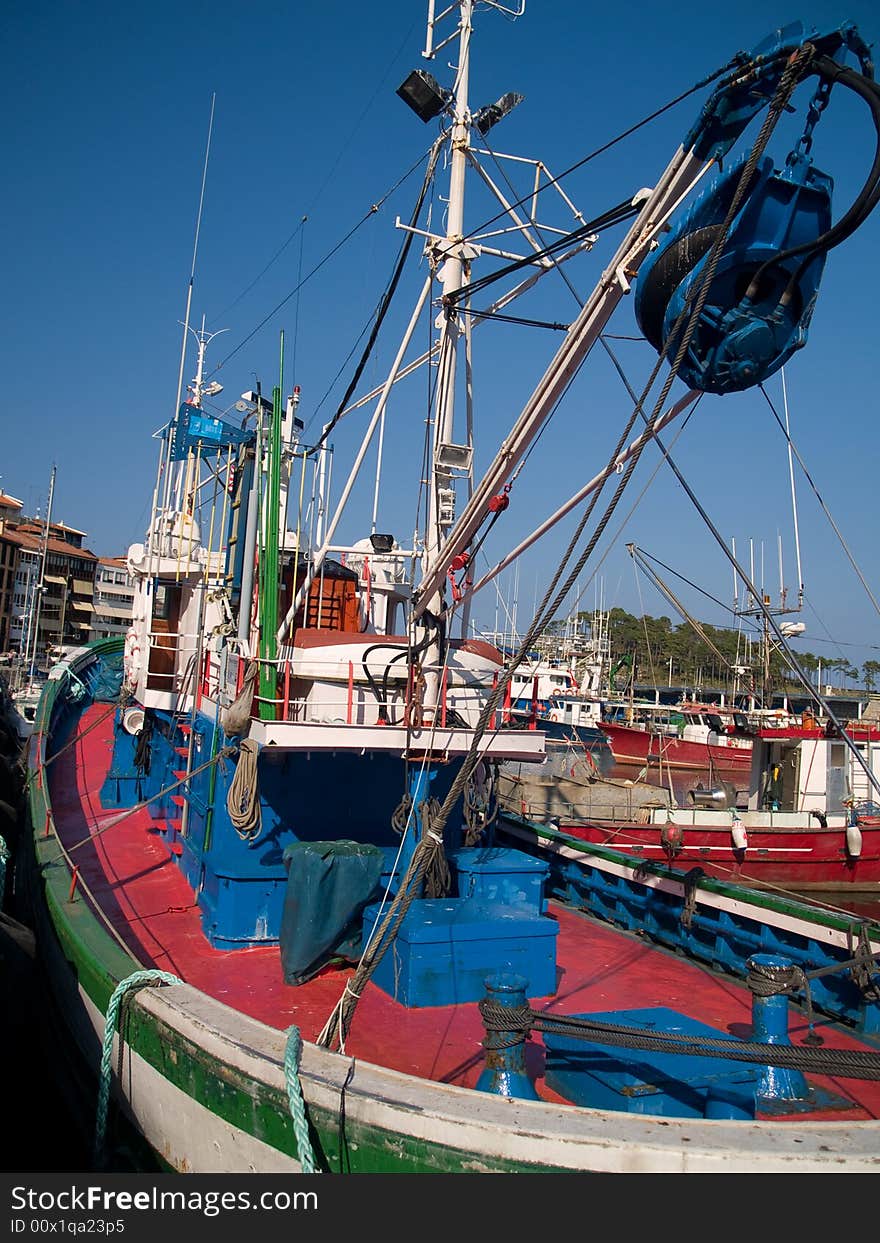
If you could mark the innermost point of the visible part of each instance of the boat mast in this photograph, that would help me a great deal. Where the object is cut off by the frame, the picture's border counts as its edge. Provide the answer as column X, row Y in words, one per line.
column 453, row 274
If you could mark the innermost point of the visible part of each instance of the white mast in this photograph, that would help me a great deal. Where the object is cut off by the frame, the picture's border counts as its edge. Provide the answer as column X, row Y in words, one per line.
column 452, row 273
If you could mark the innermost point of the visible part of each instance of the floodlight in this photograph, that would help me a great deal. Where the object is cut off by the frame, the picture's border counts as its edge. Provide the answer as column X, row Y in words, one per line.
column 486, row 117
column 424, row 95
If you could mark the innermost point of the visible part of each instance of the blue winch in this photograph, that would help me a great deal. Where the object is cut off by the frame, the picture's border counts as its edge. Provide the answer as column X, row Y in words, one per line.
column 769, row 251
column 759, row 306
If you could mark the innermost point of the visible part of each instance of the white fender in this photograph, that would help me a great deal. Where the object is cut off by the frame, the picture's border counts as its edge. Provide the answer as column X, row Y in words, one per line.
column 738, row 834
column 131, row 659
column 853, row 841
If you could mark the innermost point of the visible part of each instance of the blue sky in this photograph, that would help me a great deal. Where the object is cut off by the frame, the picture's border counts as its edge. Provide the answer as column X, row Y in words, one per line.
column 107, row 110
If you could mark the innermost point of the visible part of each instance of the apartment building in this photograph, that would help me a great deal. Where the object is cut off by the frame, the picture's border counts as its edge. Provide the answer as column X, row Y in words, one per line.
column 52, row 604
column 113, row 599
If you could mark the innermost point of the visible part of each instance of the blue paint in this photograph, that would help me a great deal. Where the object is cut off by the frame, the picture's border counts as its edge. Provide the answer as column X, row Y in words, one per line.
column 744, row 333
column 505, row 1071
column 723, row 939
column 770, row 1026
column 501, row 874
column 640, row 1081
column 731, row 107
column 420, row 780
column 446, row 947
column 240, row 886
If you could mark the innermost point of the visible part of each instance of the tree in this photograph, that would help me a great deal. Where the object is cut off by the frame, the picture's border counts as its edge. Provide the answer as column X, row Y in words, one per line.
column 870, row 669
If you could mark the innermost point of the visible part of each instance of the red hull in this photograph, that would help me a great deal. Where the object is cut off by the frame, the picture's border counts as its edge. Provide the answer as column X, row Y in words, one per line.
column 799, row 859
column 649, row 756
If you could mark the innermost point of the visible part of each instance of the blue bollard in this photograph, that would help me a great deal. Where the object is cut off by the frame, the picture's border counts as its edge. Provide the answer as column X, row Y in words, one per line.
column 505, row 1070
column 420, row 792
column 770, row 1025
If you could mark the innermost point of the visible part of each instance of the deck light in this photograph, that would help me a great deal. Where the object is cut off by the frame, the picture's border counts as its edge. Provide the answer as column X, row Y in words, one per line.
column 424, row 95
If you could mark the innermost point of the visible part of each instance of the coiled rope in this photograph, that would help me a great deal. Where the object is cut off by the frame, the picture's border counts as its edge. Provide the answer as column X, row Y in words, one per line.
column 292, row 1052
column 136, row 980
column 243, row 796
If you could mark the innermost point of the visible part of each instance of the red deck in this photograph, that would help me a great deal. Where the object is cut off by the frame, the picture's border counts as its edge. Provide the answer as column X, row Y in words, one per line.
column 128, row 870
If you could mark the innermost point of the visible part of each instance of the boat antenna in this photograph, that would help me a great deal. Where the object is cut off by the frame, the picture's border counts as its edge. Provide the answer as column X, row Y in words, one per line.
column 189, row 292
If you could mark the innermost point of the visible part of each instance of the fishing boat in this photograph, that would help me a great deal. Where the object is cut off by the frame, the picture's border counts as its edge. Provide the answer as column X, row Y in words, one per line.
column 278, row 921
column 676, row 745
column 810, row 819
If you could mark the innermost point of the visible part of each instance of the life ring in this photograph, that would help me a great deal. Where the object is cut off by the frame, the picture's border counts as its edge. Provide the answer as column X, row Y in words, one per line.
column 131, row 659
column 554, row 717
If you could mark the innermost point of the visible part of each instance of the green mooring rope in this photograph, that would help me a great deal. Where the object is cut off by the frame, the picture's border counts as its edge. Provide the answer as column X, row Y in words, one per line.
column 136, row 980
column 292, row 1051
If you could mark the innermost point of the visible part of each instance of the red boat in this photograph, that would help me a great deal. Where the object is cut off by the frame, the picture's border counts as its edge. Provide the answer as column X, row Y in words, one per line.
column 677, row 746
column 809, row 818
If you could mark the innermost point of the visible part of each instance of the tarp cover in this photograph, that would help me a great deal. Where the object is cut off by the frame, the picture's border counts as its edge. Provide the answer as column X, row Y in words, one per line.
column 328, row 886
column 108, row 681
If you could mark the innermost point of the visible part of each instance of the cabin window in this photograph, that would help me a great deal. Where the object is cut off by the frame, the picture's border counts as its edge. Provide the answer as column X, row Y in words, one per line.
column 161, row 603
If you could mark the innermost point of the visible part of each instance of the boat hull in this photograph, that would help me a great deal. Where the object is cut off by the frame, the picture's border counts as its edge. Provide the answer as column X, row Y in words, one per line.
column 801, row 858
column 204, row 1082
column 640, row 754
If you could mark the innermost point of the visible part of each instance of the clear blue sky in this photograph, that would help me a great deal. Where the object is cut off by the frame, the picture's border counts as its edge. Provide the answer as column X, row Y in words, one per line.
column 106, row 109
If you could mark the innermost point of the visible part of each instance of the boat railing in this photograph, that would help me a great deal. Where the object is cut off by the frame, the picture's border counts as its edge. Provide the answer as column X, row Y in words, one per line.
column 336, row 692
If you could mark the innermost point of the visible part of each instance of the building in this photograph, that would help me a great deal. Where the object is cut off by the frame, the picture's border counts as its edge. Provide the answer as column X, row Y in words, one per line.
column 53, row 588
column 114, row 598
column 10, row 512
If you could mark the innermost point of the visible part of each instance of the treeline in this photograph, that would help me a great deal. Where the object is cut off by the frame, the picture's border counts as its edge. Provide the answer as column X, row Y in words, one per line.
column 649, row 644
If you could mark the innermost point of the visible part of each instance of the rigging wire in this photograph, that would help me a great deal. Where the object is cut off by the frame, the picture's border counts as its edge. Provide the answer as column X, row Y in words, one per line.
column 818, row 497
column 386, row 297
column 532, row 223
column 280, row 251
column 739, row 59
column 373, row 211
column 340, row 151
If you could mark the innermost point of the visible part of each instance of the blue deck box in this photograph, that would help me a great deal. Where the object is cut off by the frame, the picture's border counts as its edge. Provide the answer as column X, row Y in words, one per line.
column 501, row 874
column 446, row 947
column 640, row 1081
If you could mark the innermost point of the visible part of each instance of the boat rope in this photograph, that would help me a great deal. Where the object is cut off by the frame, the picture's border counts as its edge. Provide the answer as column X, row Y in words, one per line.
column 136, row 980
column 243, row 796
column 768, row 980
column 111, row 823
column 337, row 1026
column 480, row 805
column 863, row 959
column 847, row 1063
column 555, row 594
column 690, row 885
column 292, row 1053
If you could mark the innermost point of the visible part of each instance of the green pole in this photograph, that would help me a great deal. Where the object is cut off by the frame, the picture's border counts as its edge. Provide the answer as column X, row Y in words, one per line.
column 270, row 560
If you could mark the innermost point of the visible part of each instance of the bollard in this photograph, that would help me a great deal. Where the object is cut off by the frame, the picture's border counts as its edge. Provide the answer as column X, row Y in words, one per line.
column 505, row 1070
column 770, row 1025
